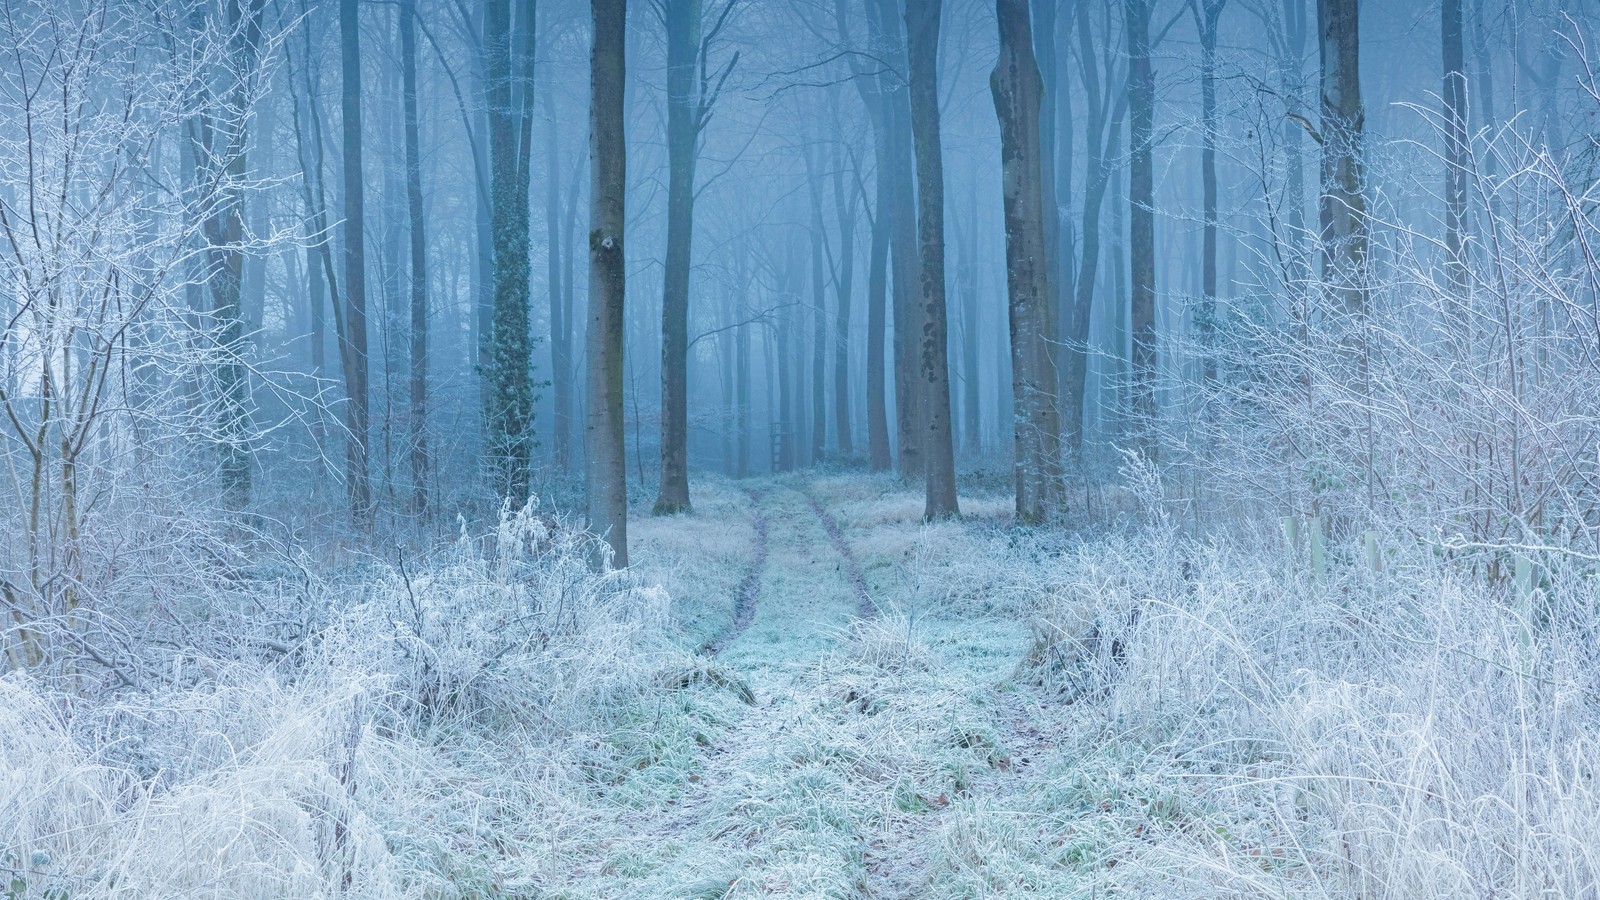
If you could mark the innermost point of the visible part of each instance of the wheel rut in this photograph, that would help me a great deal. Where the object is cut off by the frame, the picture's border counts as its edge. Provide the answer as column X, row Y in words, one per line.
column 744, row 605
column 865, row 607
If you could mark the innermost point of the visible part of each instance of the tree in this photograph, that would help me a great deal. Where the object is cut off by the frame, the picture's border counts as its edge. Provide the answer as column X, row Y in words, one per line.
column 224, row 235
column 560, row 307
column 1206, row 16
column 353, row 337
column 1455, row 145
column 1018, row 92
column 419, row 261
column 508, row 420
column 1342, row 207
column 922, row 46
column 868, row 85
column 1106, row 109
column 1141, row 215
column 846, row 202
column 605, row 460
column 819, row 308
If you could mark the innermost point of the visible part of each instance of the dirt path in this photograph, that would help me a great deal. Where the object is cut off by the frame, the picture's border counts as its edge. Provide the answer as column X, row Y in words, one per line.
column 834, row 759
column 744, row 608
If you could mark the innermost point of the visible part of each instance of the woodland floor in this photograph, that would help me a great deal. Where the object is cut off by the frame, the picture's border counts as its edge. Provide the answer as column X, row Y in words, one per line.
column 843, row 715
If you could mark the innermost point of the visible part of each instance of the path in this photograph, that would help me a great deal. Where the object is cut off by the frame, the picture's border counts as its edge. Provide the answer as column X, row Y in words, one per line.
column 831, row 779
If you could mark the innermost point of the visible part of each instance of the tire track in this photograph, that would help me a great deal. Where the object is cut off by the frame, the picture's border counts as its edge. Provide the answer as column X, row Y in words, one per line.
column 865, row 608
column 744, row 605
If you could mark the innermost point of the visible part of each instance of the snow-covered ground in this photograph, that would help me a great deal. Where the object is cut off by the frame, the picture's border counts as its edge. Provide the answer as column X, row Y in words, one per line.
column 800, row 690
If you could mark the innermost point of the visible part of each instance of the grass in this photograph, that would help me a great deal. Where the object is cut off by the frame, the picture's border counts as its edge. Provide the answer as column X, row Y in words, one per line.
column 1030, row 713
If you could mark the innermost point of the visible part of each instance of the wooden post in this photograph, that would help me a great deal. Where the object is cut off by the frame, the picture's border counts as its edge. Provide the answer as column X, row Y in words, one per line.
column 1374, row 557
column 1319, row 559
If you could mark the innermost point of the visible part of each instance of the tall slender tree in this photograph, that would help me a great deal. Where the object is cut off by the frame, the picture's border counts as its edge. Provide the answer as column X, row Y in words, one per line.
column 683, row 50
column 1141, row 216
column 691, row 93
column 560, row 299
column 1455, row 145
column 846, row 202
column 1342, row 207
column 508, row 420
column 605, row 457
column 353, row 340
column 1018, row 91
column 879, row 457
column 224, row 236
column 922, row 47
column 1207, row 15
column 888, row 43
column 420, row 463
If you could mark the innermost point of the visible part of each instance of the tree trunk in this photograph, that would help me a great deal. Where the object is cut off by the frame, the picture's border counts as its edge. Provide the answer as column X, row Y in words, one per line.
column 560, row 308
column 967, row 279
column 353, row 342
column 844, row 280
column 509, row 439
column 683, row 51
column 1018, row 91
column 879, row 455
column 1342, row 208
column 605, row 459
column 419, row 261
column 224, row 234
column 1206, row 19
column 1455, row 147
column 819, row 315
column 741, row 417
column 909, row 400
column 1142, row 219
column 1106, row 109
column 922, row 32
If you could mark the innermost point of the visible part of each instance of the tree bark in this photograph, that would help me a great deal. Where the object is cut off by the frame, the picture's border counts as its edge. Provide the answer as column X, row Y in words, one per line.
column 1018, row 91
column 224, row 235
column 560, row 298
column 819, row 314
column 1342, row 207
column 683, row 51
column 1141, row 219
column 420, row 463
column 922, row 32
column 353, row 341
column 1207, row 16
column 845, row 204
column 509, row 440
column 879, row 455
column 910, row 404
column 1106, row 109
column 1455, row 146
column 605, row 469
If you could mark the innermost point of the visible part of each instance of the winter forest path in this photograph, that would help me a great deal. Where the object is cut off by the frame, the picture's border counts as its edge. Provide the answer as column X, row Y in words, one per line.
column 830, row 738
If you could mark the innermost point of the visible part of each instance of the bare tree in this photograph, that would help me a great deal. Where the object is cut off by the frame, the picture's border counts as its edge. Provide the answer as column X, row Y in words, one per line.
column 1141, row 214
column 353, row 339
column 1018, row 93
column 1455, row 144
column 606, row 463
column 419, row 261
column 1206, row 16
column 691, row 93
column 922, row 33
column 508, row 420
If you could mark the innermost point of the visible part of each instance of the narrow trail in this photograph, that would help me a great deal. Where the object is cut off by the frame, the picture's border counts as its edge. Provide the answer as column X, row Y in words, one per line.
column 865, row 608
column 744, row 608
column 832, row 772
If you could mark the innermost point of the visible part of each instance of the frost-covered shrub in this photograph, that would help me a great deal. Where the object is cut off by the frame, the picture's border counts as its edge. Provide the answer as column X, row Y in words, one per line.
column 435, row 724
column 1411, row 732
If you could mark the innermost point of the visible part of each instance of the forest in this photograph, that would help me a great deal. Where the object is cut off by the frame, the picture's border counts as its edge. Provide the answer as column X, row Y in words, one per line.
column 799, row 448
